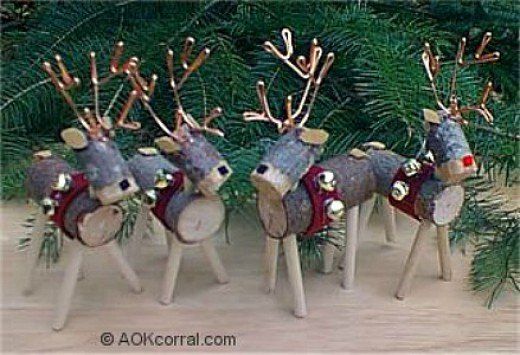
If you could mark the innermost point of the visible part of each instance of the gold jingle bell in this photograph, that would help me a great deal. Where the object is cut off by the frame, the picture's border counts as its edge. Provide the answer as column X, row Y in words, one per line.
column 162, row 179
column 411, row 167
column 400, row 190
column 429, row 157
column 326, row 180
column 63, row 183
column 334, row 209
column 48, row 206
column 150, row 197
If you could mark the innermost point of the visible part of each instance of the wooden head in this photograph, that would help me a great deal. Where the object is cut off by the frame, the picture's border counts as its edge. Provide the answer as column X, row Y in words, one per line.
column 454, row 160
column 98, row 155
column 445, row 138
column 296, row 150
column 186, row 145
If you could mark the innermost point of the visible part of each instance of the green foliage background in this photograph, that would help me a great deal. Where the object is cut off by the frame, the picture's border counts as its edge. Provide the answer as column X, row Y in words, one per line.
column 374, row 91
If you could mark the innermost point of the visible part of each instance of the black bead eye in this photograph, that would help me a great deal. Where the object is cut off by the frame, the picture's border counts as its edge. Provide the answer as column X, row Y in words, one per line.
column 261, row 169
column 124, row 185
column 223, row 170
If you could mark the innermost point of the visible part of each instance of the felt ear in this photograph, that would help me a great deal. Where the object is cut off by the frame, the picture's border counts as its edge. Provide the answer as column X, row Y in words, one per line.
column 147, row 151
column 167, row 144
column 314, row 136
column 74, row 138
column 431, row 116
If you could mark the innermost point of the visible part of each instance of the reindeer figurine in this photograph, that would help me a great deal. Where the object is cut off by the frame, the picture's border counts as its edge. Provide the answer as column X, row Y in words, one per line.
column 82, row 205
column 426, row 188
column 298, row 197
column 295, row 197
column 190, row 214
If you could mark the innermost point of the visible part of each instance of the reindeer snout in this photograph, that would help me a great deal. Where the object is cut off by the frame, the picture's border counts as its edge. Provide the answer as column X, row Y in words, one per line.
column 212, row 182
column 267, row 178
column 117, row 191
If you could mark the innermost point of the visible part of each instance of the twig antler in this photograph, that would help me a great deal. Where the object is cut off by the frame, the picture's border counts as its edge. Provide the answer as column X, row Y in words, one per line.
column 95, row 123
column 432, row 65
column 181, row 116
column 305, row 68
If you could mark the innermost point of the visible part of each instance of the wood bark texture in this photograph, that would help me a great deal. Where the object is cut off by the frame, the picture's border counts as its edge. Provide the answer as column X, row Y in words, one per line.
column 355, row 178
column 103, row 163
column 286, row 155
column 80, row 206
column 42, row 174
column 197, row 157
column 144, row 167
column 385, row 164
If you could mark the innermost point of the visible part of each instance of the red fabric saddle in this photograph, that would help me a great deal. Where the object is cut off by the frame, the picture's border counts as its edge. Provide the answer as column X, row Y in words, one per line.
column 319, row 198
column 64, row 198
column 415, row 182
column 166, row 194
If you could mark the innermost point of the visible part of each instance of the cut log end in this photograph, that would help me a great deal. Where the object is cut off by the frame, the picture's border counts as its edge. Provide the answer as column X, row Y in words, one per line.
column 448, row 205
column 200, row 219
column 101, row 226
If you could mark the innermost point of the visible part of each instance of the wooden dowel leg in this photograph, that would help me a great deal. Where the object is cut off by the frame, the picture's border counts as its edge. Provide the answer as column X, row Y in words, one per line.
column 365, row 211
column 134, row 243
column 350, row 248
column 271, row 262
column 214, row 259
column 290, row 246
column 413, row 260
column 388, row 220
column 168, row 237
column 81, row 273
column 328, row 258
column 33, row 253
column 67, row 287
column 443, row 243
column 125, row 269
column 172, row 270
column 342, row 258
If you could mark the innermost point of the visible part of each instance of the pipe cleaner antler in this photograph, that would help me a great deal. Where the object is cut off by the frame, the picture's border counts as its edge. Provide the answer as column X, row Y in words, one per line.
column 181, row 116
column 95, row 123
column 306, row 68
column 432, row 65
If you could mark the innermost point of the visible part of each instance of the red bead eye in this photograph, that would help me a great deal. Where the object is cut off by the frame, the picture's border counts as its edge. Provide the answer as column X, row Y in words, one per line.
column 467, row 160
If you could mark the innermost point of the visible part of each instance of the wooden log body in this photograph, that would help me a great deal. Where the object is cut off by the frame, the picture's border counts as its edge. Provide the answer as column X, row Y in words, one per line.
column 107, row 171
column 90, row 222
column 144, row 168
column 193, row 217
column 83, row 217
column 42, row 175
column 357, row 179
column 438, row 202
